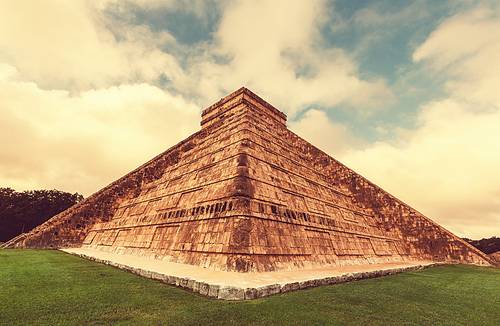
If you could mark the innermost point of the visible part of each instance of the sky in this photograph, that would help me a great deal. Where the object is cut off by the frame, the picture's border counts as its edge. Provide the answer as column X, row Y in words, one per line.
column 405, row 93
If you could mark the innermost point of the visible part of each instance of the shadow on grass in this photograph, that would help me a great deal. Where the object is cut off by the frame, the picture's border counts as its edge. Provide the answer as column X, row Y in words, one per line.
column 39, row 287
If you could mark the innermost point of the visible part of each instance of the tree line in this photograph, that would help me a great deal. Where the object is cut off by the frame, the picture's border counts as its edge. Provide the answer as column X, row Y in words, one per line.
column 20, row 212
column 488, row 246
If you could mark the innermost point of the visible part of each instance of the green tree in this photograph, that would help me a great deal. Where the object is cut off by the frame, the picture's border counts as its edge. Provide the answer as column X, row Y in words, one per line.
column 22, row 211
column 488, row 246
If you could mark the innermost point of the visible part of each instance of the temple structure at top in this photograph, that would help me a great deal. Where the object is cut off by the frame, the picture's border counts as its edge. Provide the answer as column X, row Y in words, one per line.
column 245, row 194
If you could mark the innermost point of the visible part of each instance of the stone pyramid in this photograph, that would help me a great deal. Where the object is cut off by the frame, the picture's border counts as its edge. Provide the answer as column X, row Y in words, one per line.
column 245, row 194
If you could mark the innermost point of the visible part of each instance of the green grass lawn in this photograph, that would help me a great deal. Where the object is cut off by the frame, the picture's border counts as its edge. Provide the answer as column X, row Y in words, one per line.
column 39, row 287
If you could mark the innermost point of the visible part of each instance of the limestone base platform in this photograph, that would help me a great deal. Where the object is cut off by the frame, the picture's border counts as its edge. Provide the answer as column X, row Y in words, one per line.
column 243, row 286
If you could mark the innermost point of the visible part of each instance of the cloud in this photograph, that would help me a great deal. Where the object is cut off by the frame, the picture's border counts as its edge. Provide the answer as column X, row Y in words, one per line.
column 333, row 138
column 198, row 7
column 456, row 38
column 466, row 47
column 67, row 45
column 447, row 169
column 81, row 143
column 448, row 166
column 382, row 20
column 89, row 93
column 276, row 49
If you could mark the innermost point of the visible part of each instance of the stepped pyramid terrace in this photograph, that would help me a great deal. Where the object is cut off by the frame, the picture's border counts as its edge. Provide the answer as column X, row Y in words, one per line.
column 246, row 195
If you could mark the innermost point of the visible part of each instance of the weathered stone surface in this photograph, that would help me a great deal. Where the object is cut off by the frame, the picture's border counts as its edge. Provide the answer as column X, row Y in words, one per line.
column 204, row 288
column 245, row 194
column 495, row 257
column 213, row 290
column 307, row 284
column 267, row 290
column 294, row 286
column 196, row 287
column 190, row 284
column 231, row 293
column 181, row 282
column 250, row 293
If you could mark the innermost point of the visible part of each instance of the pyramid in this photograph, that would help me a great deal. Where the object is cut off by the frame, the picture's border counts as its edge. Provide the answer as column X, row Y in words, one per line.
column 245, row 194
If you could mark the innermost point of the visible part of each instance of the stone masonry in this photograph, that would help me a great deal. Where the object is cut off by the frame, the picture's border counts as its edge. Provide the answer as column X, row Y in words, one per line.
column 245, row 194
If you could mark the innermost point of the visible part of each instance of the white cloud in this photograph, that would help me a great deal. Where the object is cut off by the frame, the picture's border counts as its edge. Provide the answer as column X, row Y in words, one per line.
column 376, row 23
column 79, row 107
column 65, row 44
column 7, row 71
column 448, row 167
column 333, row 138
column 81, row 143
column 458, row 37
column 275, row 49
column 467, row 46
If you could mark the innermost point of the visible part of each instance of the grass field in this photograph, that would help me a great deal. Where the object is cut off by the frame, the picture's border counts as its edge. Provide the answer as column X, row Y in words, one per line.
column 40, row 287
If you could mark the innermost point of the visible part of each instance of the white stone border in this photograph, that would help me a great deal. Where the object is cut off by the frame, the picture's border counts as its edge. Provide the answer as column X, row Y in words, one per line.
column 233, row 293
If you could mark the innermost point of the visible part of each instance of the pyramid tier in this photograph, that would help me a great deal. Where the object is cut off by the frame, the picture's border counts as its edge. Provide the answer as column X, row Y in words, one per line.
column 245, row 194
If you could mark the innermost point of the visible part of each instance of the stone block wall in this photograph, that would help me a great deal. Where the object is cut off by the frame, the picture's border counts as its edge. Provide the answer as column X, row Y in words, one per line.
column 245, row 194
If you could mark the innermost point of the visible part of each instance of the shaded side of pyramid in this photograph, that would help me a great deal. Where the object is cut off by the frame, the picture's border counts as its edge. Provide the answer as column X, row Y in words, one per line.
column 245, row 194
